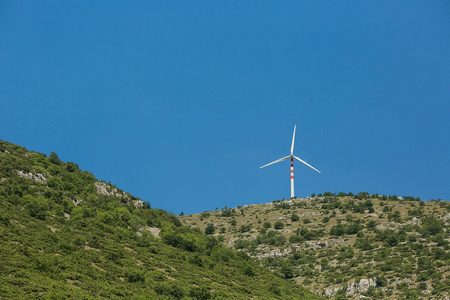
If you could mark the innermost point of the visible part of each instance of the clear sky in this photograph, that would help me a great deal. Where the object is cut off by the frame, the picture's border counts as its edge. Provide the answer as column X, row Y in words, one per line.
column 181, row 102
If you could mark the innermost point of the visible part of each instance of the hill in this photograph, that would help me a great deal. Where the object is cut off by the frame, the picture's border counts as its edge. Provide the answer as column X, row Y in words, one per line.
column 343, row 245
column 66, row 235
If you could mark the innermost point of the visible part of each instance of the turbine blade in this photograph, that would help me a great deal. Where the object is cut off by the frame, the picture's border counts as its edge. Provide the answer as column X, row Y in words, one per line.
column 293, row 138
column 274, row 162
column 306, row 164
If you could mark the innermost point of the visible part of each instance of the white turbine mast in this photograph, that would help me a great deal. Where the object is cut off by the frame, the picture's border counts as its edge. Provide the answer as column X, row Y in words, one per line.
column 292, row 156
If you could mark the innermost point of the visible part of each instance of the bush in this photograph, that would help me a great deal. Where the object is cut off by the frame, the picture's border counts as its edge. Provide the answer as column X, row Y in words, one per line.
column 381, row 281
column 278, row 225
column 245, row 228
column 247, row 269
column 286, row 270
column 196, row 260
column 293, row 239
column 275, row 290
column 294, row 218
column 422, row 286
column 353, row 228
column 179, row 242
column 169, row 289
column 371, row 224
column 363, row 244
column 210, row 229
column 337, row 230
column 431, row 226
column 242, row 244
column 200, row 293
column 37, row 208
column 226, row 213
column 134, row 275
column 267, row 225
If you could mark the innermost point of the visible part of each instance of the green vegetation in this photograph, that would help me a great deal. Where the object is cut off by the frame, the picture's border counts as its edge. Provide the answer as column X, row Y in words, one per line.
column 398, row 245
column 64, row 234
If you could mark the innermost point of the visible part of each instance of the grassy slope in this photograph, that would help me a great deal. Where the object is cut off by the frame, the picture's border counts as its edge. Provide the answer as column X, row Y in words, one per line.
column 61, row 237
column 328, row 242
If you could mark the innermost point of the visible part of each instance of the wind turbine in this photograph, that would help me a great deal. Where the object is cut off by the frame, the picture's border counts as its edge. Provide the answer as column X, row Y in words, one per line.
column 292, row 156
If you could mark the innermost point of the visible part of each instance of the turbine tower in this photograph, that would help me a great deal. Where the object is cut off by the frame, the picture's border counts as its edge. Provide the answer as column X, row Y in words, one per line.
column 292, row 156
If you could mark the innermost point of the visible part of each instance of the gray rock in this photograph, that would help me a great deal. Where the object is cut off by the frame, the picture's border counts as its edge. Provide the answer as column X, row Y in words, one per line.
column 38, row 177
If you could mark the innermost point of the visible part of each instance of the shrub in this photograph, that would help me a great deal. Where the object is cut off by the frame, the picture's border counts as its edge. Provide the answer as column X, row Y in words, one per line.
column 275, row 290
column 226, row 213
column 169, row 289
column 294, row 218
column 431, row 226
column 245, row 228
column 422, row 286
column 179, row 242
column 267, row 225
column 295, row 239
column 134, row 275
column 371, row 224
column 210, row 229
column 286, row 270
column 381, row 281
column 196, row 260
column 278, row 225
column 363, row 244
column 37, row 208
column 247, row 269
column 200, row 293
column 337, row 230
column 353, row 228
column 242, row 244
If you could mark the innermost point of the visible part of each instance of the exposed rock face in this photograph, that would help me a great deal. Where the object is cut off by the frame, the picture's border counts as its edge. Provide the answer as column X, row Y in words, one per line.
column 353, row 288
column 331, row 292
column 362, row 286
column 105, row 189
column 77, row 201
column 38, row 177
column 138, row 203
column 153, row 230
column 413, row 221
column 273, row 253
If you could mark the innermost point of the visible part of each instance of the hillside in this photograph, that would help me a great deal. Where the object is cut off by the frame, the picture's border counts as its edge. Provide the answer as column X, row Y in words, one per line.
column 66, row 235
column 344, row 245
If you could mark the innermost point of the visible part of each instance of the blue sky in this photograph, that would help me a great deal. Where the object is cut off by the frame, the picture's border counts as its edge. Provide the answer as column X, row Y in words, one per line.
column 181, row 102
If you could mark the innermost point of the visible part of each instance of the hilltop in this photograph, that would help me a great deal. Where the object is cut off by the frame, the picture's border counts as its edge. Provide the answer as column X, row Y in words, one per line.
column 65, row 234
column 343, row 245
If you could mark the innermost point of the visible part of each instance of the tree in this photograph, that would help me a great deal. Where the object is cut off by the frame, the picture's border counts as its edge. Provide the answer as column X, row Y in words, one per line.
column 431, row 226
column 54, row 159
column 278, row 225
column 210, row 229
column 37, row 208
column 267, row 225
column 337, row 230
column 286, row 270
column 200, row 293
